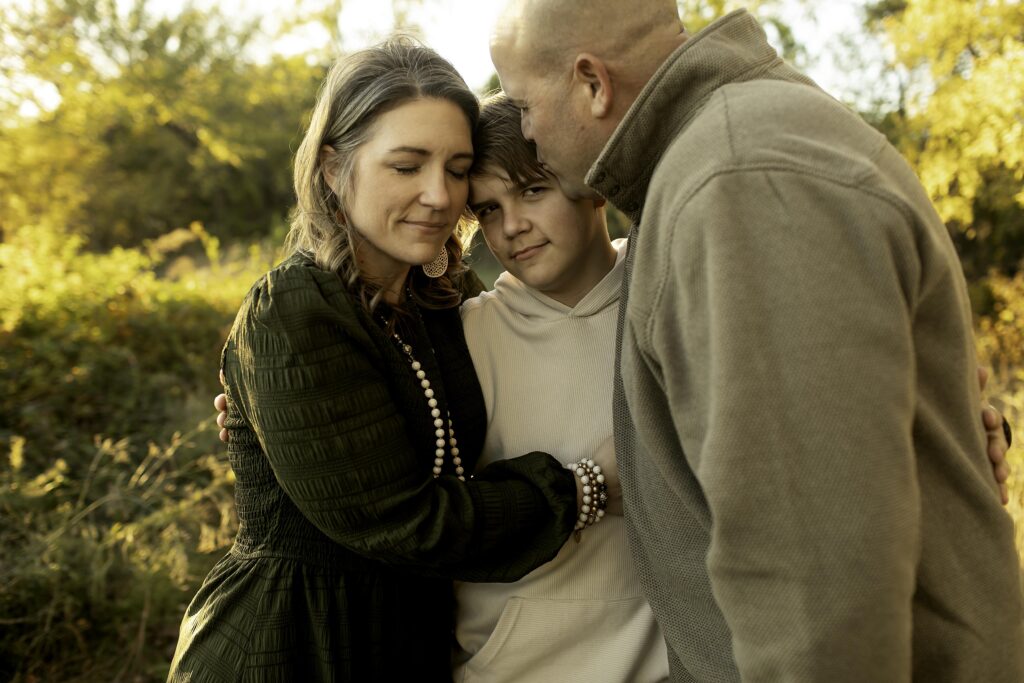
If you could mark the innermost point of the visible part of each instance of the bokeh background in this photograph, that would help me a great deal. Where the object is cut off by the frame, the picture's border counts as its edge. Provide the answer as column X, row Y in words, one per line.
column 145, row 152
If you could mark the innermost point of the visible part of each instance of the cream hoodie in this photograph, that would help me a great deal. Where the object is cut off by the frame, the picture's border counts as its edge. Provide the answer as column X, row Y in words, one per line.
column 546, row 373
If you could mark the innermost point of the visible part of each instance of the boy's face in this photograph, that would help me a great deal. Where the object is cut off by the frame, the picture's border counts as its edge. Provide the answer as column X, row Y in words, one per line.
column 549, row 242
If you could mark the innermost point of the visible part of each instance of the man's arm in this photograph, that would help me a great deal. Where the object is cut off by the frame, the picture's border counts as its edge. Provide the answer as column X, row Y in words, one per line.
column 787, row 314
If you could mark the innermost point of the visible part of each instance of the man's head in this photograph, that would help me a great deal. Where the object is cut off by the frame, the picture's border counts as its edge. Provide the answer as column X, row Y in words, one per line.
column 557, row 245
column 574, row 67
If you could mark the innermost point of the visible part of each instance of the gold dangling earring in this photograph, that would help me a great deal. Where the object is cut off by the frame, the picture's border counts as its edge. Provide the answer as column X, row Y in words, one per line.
column 437, row 267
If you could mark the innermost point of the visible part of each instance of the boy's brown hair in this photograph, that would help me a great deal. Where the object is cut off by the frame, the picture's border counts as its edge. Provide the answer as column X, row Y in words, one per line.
column 498, row 143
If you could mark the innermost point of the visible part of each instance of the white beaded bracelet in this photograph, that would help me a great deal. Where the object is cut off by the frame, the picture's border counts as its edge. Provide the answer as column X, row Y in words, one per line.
column 595, row 494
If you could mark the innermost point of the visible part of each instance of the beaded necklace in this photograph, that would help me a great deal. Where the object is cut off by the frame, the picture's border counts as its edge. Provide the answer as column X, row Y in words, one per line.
column 435, row 412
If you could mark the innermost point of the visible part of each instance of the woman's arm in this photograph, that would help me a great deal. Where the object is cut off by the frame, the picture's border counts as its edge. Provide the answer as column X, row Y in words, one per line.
column 304, row 377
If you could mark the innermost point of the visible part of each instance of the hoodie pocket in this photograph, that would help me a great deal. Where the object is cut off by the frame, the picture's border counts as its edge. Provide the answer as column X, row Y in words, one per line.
column 501, row 633
column 612, row 641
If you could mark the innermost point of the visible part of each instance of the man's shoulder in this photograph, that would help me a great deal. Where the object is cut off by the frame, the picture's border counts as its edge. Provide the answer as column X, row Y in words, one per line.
column 743, row 114
column 765, row 126
column 777, row 114
column 768, row 95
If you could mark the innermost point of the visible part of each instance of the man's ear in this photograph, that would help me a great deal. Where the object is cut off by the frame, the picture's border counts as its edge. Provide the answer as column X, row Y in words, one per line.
column 590, row 72
column 328, row 161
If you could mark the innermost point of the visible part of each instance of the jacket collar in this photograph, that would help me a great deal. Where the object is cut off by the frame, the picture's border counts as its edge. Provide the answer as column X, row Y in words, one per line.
column 733, row 48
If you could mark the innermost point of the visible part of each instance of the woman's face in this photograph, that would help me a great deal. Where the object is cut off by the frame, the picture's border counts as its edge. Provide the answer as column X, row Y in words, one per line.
column 410, row 186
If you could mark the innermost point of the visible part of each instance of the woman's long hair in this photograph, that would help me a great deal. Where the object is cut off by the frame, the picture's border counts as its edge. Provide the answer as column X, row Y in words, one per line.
column 358, row 89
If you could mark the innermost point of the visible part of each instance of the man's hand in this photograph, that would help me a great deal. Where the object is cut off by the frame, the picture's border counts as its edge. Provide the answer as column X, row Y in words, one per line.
column 997, row 440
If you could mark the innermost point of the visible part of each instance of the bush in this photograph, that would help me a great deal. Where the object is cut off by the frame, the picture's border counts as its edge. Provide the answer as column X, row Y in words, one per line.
column 1001, row 331
column 106, row 538
column 98, row 344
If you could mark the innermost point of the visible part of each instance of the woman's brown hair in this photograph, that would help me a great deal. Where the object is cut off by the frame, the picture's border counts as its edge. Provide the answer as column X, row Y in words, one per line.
column 358, row 89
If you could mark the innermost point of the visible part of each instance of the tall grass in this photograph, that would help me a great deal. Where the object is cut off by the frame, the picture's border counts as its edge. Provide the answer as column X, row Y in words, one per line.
column 100, row 562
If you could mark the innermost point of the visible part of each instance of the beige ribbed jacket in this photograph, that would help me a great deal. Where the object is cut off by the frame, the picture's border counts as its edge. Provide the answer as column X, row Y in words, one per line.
column 803, row 469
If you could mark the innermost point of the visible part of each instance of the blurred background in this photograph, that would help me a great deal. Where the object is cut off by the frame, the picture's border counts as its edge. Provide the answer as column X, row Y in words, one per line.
column 145, row 152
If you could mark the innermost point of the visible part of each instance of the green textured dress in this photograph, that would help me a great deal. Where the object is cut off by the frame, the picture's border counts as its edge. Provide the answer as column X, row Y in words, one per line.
column 347, row 543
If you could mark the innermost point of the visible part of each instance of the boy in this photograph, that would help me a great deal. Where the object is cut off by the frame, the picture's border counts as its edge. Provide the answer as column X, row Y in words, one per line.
column 543, row 344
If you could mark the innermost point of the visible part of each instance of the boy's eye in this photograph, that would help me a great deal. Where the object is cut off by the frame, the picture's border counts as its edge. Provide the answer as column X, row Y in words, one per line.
column 484, row 211
column 406, row 170
column 534, row 191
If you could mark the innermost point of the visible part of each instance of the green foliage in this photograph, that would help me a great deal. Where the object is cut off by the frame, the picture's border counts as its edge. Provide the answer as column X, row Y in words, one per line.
column 94, row 343
column 160, row 122
column 961, row 122
column 1001, row 332
column 114, row 303
column 106, row 537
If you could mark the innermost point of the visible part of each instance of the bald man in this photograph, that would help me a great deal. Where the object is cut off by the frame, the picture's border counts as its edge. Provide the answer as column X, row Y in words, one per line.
column 806, row 490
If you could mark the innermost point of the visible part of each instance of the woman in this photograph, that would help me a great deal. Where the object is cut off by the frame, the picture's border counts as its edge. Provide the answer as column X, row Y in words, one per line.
column 354, row 412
